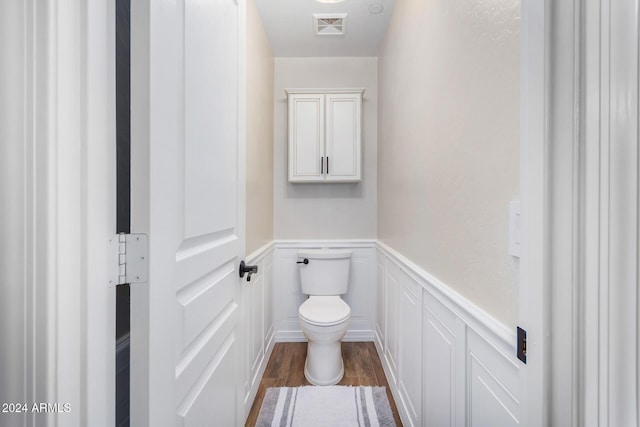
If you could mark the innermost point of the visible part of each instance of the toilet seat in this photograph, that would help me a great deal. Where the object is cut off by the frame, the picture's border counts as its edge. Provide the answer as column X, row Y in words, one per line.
column 324, row 310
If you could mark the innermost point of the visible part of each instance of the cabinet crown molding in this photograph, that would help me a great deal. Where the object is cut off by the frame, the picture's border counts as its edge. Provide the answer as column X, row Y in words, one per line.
column 292, row 91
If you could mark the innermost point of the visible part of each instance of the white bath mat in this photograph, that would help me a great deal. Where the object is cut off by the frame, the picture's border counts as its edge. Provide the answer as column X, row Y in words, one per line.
column 334, row 406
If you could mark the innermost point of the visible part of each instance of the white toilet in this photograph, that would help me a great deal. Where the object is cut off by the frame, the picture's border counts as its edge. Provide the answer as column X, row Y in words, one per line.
column 324, row 316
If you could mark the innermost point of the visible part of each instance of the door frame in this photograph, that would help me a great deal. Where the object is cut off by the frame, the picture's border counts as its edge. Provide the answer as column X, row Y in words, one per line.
column 548, row 294
column 608, row 329
column 68, row 105
column 533, row 296
column 578, row 126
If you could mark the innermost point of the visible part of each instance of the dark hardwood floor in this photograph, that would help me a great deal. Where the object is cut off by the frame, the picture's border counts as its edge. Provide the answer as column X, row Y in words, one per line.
column 285, row 368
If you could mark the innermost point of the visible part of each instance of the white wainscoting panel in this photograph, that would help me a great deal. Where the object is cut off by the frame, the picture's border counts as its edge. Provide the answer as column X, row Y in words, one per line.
column 447, row 362
column 380, row 301
column 410, row 348
column 444, row 364
column 258, row 321
column 391, row 290
column 361, row 295
column 493, row 384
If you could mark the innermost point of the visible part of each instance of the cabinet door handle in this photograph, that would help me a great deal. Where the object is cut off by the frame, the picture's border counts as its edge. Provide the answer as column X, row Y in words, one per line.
column 327, row 165
column 321, row 165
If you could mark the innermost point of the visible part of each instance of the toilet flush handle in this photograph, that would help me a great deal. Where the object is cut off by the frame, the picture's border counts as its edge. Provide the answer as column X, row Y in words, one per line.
column 304, row 261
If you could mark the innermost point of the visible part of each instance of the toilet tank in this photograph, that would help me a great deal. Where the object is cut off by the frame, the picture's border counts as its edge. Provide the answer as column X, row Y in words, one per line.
column 327, row 272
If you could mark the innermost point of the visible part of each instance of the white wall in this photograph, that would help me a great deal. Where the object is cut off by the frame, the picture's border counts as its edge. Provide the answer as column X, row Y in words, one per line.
column 325, row 211
column 449, row 143
column 259, row 133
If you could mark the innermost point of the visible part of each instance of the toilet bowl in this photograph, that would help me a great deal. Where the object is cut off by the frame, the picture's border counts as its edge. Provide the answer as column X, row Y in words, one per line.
column 324, row 316
column 324, row 321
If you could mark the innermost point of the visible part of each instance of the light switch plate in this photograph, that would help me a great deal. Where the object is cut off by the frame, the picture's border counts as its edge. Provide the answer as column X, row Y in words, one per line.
column 515, row 228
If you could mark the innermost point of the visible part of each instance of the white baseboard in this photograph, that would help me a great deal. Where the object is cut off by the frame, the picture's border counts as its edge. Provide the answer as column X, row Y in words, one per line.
column 350, row 336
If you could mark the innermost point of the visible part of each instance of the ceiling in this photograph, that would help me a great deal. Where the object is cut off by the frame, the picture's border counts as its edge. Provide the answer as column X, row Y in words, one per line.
column 290, row 27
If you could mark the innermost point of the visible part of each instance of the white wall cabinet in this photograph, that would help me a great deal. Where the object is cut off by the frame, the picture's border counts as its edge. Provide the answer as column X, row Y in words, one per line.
column 325, row 135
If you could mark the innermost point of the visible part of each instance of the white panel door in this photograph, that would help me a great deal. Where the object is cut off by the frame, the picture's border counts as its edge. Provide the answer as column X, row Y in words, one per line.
column 306, row 137
column 343, row 137
column 194, row 185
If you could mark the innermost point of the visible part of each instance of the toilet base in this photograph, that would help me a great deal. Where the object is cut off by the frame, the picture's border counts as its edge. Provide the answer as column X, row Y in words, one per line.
column 318, row 381
column 324, row 365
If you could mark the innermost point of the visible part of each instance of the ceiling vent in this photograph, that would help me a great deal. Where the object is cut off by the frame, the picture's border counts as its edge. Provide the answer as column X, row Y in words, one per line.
column 330, row 24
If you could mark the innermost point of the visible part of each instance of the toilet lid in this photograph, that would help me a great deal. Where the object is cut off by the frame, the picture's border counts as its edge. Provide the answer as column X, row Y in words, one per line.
column 324, row 310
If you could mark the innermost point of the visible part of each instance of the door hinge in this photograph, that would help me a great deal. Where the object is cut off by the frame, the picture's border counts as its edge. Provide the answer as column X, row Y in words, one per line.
column 522, row 344
column 132, row 258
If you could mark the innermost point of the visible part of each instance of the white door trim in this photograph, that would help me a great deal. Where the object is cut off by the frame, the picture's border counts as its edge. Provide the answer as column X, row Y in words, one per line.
column 609, row 333
column 564, row 174
column 534, row 163
column 68, row 178
column 83, row 134
column 580, row 161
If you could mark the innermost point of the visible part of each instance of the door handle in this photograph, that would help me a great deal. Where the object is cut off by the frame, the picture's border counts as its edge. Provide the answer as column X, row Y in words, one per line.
column 304, row 261
column 249, row 269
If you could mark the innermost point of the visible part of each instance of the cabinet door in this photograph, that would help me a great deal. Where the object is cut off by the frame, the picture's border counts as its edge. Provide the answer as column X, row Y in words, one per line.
column 306, row 137
column 343, row 137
